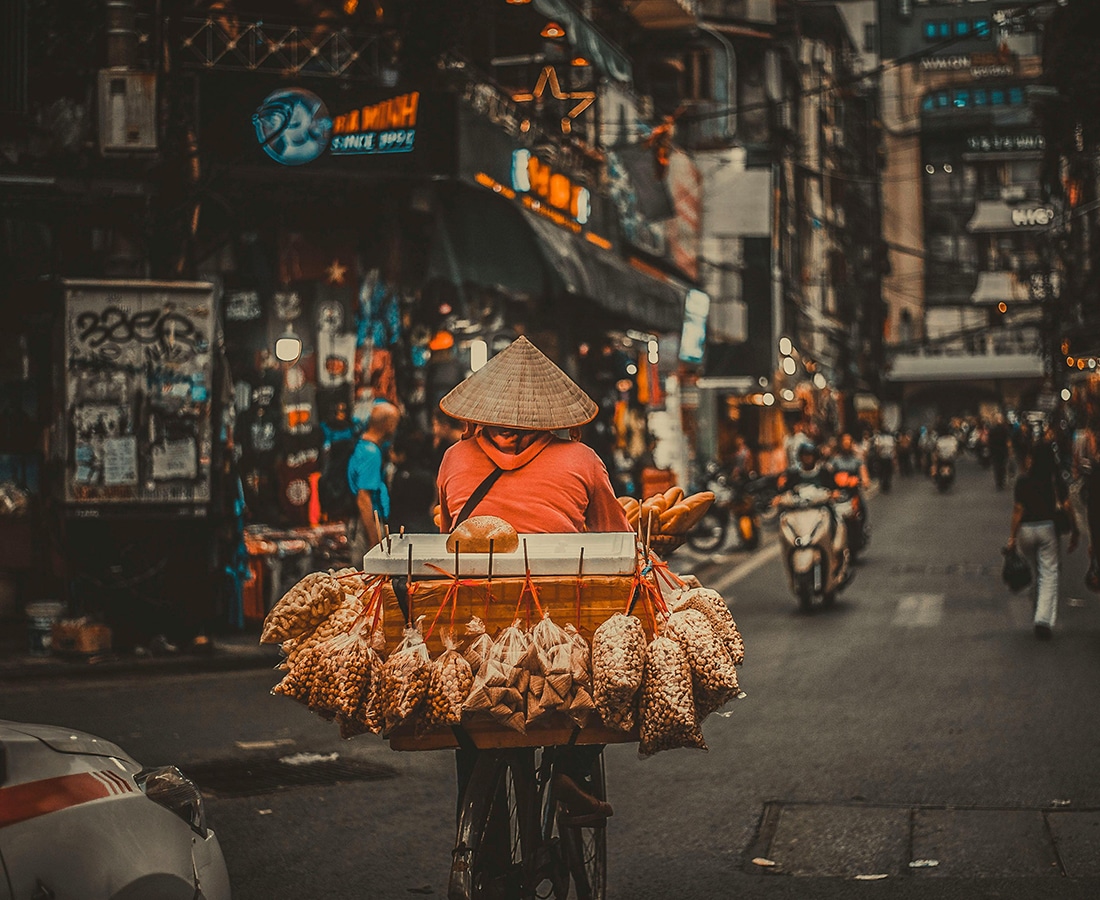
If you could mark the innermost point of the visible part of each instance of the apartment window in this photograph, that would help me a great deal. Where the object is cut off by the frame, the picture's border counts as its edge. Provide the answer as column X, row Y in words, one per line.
column 1016, row 96
column 961, row 99
column 981, row 97
column 962, row 27
column 869, row 37
column 981, row 28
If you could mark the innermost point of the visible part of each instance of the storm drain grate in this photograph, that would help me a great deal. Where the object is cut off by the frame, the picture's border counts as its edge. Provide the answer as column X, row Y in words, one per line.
column 252, row 777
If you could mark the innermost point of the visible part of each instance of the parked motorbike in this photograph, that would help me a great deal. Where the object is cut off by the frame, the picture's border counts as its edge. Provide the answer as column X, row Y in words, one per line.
column 851, row 508
column 815, row 545
column 734, row 504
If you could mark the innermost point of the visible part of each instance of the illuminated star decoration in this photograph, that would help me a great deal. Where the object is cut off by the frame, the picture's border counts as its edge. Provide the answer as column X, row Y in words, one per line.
column 336, row 272
column 549, row 77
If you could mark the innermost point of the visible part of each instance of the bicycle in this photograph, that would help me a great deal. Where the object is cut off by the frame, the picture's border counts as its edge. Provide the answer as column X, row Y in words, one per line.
column 512, row 843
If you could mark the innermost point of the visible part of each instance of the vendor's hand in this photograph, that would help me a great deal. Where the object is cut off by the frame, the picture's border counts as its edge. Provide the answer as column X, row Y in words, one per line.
column 1011, row 544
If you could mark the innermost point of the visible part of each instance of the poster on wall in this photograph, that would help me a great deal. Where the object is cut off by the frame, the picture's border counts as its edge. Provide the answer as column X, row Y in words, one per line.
column 136, row 423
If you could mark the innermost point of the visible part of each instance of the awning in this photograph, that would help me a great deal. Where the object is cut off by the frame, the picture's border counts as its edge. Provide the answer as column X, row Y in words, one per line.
column 999, row 287
column 996, row 215
column 592, row 273
column 483, row 239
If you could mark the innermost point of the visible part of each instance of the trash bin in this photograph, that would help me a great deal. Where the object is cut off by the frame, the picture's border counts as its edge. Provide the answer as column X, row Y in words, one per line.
column 40, row 621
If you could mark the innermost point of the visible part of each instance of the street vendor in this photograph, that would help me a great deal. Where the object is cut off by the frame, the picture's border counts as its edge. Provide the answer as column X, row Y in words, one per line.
column 512, row 463
column 541, row 482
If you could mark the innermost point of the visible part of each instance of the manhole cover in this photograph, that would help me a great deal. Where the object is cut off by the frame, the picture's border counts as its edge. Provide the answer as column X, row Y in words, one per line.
column 250, row 777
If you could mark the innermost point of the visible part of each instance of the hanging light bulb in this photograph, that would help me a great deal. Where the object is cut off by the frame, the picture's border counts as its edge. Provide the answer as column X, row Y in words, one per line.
column 553, row 31
column 479, row 354
column 288, row 346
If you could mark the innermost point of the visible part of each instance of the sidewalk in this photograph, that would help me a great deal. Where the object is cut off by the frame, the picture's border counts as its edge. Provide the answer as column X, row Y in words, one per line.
column 230, row 652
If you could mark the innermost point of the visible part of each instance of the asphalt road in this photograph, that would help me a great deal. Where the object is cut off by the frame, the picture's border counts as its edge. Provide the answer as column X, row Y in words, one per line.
column 919, row 721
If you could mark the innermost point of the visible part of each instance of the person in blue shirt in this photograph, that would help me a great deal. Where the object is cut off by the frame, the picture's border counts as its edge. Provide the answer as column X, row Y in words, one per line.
column 367, row 479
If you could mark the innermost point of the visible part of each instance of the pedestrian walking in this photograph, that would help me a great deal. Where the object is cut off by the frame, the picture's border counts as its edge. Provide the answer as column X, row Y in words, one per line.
column 367, row 479
column 1086, row 471
column 1040, row 497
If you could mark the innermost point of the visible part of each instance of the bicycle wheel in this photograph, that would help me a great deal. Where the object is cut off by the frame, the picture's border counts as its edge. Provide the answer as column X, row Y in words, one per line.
column 498, row 829
column 585, row 849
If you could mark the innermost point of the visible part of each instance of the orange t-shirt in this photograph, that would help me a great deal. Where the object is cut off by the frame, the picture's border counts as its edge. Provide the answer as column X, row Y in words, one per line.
column 564, row 488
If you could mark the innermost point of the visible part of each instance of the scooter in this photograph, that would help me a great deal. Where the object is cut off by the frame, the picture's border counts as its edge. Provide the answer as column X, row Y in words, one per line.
column 815, row 545
column 943, row 474
column 943, row 462
column 734, row 503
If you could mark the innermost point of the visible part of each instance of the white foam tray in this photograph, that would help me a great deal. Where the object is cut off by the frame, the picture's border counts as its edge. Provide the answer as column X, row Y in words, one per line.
column 547, row 554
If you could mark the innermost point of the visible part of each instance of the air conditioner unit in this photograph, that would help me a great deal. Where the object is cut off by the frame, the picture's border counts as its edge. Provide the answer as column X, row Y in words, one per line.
column 127, row 111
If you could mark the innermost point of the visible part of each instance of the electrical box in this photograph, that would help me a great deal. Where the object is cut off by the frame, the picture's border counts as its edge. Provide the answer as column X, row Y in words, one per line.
column 127, row 112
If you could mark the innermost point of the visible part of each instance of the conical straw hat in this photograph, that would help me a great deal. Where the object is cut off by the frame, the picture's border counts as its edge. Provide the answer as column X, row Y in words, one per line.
column 520, row 388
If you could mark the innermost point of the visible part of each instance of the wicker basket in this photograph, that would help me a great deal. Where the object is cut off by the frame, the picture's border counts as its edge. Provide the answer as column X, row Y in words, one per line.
column 665, row 544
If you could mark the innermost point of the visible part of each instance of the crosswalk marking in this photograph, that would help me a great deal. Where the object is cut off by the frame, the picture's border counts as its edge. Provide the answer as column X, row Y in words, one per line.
column 919, row 611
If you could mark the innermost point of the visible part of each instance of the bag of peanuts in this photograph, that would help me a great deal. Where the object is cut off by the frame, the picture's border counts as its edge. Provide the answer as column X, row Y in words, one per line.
column 618, row 660
column 501, row 682
column 297, row 683
column 449, row 681
column 666, row 709
column 367, row 714
column 479, row 646
column 711, row 604
column 580, row 664
column 551, row 685
column 344, row 671
column 302, row 608
column 405, row 677
column 340, row 621
column 713, row 675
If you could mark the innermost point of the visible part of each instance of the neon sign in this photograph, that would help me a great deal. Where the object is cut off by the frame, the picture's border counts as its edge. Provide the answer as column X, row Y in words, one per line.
column 548, row 78
column 293, row 126
column 530, row 175
column 386, row 127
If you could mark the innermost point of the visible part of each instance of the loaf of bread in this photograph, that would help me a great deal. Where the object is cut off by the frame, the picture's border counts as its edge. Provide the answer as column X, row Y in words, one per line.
column 473, row 536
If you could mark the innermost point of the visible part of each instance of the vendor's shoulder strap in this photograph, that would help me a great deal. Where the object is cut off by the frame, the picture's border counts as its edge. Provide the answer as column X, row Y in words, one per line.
column 477, row 496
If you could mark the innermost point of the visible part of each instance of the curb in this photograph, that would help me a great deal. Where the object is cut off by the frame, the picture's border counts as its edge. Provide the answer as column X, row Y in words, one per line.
column 34, row 669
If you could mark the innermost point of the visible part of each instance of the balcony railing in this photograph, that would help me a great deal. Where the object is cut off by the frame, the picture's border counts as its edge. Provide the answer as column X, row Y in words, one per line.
column 1005, row 353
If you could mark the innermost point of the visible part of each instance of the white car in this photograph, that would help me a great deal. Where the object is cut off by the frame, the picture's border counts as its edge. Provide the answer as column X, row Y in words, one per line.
column 82, row 820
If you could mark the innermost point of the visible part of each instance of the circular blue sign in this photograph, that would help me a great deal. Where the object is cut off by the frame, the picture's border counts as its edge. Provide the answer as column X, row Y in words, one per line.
column 293, row 126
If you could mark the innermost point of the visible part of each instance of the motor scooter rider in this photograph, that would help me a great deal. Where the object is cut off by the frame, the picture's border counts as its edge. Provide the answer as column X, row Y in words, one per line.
column 849, row 461
column 813, row 472
column 809, row 470
column 945, row 449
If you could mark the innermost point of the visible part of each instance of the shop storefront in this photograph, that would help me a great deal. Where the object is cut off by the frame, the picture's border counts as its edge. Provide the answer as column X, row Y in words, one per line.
column 382, row 245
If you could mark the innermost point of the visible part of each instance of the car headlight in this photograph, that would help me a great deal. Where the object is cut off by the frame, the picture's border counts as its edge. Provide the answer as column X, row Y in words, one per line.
column 170, row 788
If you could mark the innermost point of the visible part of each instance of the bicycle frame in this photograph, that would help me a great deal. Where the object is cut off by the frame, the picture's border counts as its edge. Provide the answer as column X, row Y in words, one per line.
column 509, row 844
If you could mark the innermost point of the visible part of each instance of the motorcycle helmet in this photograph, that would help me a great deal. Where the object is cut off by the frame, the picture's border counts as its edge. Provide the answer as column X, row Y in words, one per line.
column 809, row 452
